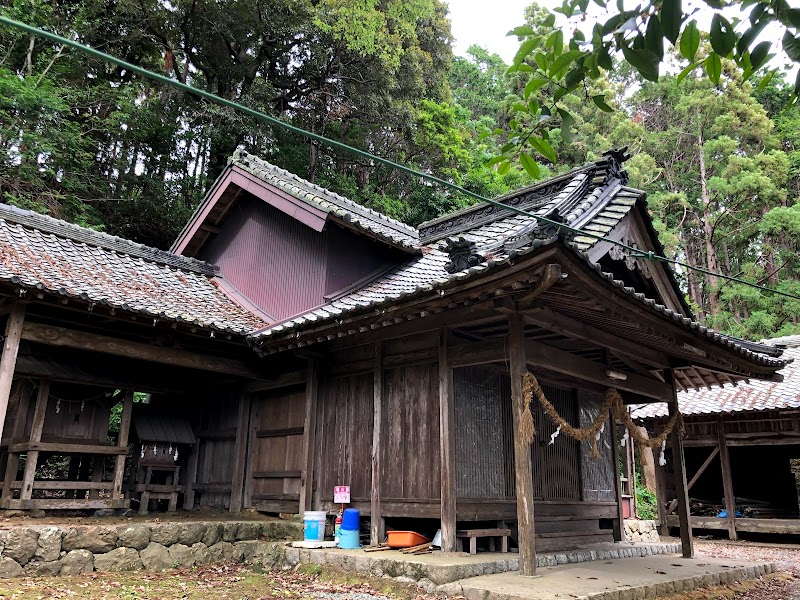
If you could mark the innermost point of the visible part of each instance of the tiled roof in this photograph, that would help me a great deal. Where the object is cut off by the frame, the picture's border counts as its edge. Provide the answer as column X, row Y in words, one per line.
column 318, row 197
column 756, row 395
column 39, row 252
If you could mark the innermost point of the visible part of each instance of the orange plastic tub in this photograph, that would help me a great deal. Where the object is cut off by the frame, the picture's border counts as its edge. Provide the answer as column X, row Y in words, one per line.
column 405, row 539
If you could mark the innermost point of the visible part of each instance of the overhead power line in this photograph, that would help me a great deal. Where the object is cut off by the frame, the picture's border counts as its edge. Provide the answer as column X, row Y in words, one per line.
column 636, row 252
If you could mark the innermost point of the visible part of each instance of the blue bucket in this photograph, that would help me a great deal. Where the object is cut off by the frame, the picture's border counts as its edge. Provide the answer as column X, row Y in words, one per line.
column 351, row 520
column 348, row 538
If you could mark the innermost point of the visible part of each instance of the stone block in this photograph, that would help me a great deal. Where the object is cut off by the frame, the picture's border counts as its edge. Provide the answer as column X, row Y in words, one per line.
column 191, row 533
column 38, row 568
column 229, row 531
column 134, row 536
column 201, row 555
column 181, row 555
column 220, row 552
column 77, row 562
column 165, row 534
column 20, row 544
column 10, row 568
column 49, row 546
column 119, row 559
column 213, row 534
column 156, row 557
column 248, row 530
column 96, row 539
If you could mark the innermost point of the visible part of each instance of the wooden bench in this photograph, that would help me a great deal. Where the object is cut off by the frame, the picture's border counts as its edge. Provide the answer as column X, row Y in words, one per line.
column 473, row 534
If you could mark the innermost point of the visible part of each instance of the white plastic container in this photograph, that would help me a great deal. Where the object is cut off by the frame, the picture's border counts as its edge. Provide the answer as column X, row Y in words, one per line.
column 314, row 525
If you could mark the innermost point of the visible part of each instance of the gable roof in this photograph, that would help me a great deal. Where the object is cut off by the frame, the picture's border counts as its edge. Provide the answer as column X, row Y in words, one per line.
column 752, row 396
column 593, row 198
column 38, row 252
column 250, row 172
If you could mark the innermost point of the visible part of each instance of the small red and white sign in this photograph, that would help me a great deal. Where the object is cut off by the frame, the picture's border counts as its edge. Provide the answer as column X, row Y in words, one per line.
column 341, row 494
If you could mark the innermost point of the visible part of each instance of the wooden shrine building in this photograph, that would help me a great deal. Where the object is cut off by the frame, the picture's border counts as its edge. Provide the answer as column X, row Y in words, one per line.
column 742, row 448
column 313, row 342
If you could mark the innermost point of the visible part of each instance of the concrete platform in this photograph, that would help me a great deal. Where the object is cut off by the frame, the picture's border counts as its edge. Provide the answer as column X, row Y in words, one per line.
column 431, row 570
column 627, row 579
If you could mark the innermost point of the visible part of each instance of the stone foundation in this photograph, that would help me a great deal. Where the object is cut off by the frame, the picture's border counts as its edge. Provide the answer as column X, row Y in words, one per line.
column 641, row 531
column 67, row 550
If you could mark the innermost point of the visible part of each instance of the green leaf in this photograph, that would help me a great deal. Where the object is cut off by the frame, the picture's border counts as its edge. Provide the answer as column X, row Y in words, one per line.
column 503, row 167
column 533, row 85
column 654, row 37
column 562, row 61
column 600, row 102
column 529, row 165
column 643, row 60
column 671, row 15
column 522, row 31
column 723, row 39
column 766, row 79
column 525, row 49
column 682, row 75
column 760, row 55
column 541, row 61
column 604, row 58
column 567, row 122
column 713, row 66
column 549, row 21
column 555, row 41
column 519, row 107
column 791, row 46
column 543, row 148
column 690, row 41
column 495, row 160
column 533, row 106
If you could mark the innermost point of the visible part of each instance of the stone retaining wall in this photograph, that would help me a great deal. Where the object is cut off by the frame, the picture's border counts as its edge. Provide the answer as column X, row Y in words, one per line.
column 641, row 531
column 65, row 550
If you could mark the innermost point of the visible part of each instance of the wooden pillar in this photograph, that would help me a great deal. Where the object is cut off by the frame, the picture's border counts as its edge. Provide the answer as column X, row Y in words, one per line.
column 523, row 474
column 240, row 452
column 447, row 445
column 122, row 442
column 661, row 499
column 727, row 480
column 24, row 389
column 307, row 476
column 679, row 465
column 8, row 361
column 377, row 527
column 618, row 523
column 191, row 475
column 36, row 436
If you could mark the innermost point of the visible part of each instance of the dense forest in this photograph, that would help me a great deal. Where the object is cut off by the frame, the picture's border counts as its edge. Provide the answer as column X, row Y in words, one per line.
column 94, row 144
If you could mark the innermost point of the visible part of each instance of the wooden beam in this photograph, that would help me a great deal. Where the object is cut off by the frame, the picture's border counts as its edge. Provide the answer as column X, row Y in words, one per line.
column 309, row 424
column 523, row 474
column 727, row 480
column 240, row 452
column 447, row 445
column 81, row 340
column 702, row 468
column 550, row 276
column 32, row 458
column 62, row 448
column 8, row 361
column 122, row 443
column 377, row 523
column 679, row 466
column 282, row 380
column 547, row 357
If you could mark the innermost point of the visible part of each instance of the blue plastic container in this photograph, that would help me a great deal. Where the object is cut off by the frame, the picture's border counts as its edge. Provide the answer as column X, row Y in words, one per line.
column 351, row 520
column 348, row 538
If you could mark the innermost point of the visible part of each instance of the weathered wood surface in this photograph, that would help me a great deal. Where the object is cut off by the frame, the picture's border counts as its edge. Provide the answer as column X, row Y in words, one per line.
column 748, row 525
column 447, row 434
column 522, row 453
column 44, row 484
column 81, row 340
column 63, row 504
column 679, row 466
column 213, row 455
column 727, row 481
column 619, row 530
column 240, row 452
column 310, row 428
column 8, row 361
column 377, row 524
column 122, row 443
column 32, row 458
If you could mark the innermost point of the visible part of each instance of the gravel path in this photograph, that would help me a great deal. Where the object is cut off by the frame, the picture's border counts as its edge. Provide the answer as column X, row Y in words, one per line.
column 786, row 557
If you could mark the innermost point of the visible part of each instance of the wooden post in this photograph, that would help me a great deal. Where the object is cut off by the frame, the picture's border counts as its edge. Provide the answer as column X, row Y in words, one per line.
column 307, row 479
column 122, row 442
column 661, row 499
column 727, row 480
column 191, row 475
column 447, row 445
column 377, row 523
column 240, row 452
column 679, row 465
column 523, row 474
column 36, row 436
column 24, row 389
column 8, row 361
column 618, row 523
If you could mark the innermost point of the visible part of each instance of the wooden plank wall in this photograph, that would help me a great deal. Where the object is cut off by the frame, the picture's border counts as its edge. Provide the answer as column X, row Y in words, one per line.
column 597, row 474
column 275, row 457
column 557, row 472
column 215, row 453
column 344, row 436
column 411, row 451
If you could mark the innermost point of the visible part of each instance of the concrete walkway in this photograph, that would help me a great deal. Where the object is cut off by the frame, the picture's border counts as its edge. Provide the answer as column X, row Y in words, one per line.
column 622, row 579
